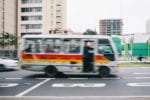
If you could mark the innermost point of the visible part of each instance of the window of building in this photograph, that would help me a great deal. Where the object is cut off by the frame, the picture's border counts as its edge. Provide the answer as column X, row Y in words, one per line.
column 32, row 9
column 30, row 33
column 31, row 1
column 58, row 4
column 58, row 24
column 26, row 18
column 31, row 26
column 58, row 10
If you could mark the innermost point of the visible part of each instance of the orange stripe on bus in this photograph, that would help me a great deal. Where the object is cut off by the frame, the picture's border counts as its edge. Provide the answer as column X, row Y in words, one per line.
column 59, row 58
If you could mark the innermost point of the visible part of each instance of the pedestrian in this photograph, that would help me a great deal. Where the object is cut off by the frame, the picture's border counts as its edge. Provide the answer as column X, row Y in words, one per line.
column 88, row 57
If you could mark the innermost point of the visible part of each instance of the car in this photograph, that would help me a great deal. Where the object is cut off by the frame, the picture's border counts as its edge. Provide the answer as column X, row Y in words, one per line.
column 8, row 64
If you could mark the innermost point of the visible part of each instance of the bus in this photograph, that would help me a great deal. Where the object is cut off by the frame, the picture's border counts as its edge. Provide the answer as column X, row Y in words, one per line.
column 68, row 54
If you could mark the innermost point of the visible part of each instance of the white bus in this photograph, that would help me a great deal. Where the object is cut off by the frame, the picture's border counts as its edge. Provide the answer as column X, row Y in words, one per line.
column 70, row 54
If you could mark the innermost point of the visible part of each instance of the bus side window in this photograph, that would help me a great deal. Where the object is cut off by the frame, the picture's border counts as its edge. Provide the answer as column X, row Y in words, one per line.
column 29, row 48
column 101, row 50
column 74, row 46
column 74, row 49
column 57, row 49
column 37, row 47
column 104, row 48
column 48, row 49
column 52, row 45
column 33, row 45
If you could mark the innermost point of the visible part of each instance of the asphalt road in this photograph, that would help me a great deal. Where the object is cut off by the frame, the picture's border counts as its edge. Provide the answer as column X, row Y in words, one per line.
column 130, row 81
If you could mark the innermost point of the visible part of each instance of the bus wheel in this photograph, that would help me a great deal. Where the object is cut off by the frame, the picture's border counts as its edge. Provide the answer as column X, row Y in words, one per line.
column 2, row 67
column 104, row 71
column 51, row 71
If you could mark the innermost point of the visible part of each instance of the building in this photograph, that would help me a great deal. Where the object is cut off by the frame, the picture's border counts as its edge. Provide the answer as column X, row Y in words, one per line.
column 110, row 26
column 148, row 26
column 41, row 16
column 8, row 16
column 19, row 17
column 8, row 26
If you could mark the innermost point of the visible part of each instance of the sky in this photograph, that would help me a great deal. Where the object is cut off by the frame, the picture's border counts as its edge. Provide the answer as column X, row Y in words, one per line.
column 85, row 14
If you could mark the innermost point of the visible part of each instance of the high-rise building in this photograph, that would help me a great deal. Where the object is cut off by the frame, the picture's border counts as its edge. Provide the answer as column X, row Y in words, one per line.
column 148, row 26
column 8, row 16
column 41, row 16
column 110, row 26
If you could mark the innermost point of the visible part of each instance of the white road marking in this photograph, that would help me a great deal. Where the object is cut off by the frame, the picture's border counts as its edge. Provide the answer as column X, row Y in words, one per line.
column 111, row 78
column 142, row 77
column 27, row 83
column 139, row 84
column 67, row 85
column 44, row 78
column 132, row 68
column 142, row 73
column 13, row 78
column 78, row 78
column 105, row 78
column 145, row 67
column 8, row 84
column 32, row 88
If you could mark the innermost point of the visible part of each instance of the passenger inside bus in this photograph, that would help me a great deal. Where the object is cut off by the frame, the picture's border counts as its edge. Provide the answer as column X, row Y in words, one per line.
column 48, row 48
column 29, row 49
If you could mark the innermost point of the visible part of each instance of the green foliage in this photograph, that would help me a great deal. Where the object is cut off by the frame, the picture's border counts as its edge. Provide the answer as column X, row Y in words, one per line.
column 8, row 40
column 90, row 32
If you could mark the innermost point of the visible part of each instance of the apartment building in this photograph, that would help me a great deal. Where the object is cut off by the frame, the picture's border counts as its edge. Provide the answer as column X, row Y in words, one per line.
column 110, row 26
column 41, row 16
column 8, row 16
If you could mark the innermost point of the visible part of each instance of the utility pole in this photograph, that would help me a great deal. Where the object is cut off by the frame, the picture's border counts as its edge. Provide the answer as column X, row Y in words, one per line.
column 3, row 20
column 124, row 41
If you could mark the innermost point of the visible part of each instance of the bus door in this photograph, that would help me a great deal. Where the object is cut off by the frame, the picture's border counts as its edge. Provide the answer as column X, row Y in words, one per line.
column 88, row 55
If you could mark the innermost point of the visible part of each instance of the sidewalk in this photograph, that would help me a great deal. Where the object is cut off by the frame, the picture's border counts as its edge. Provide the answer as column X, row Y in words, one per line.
column 134, row 63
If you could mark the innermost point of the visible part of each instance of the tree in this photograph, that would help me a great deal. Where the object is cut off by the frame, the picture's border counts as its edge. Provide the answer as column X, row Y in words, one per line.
column 8, row 40
column 90, row 32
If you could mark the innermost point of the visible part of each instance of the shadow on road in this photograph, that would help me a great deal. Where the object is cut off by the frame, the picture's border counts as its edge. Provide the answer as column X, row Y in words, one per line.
column 8, row 70
column 42, row 75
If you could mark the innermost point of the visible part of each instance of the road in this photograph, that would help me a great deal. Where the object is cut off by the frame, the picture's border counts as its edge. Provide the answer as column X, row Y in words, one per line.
column 130, row 81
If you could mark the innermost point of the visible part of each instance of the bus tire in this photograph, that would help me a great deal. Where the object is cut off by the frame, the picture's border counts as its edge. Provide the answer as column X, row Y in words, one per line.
column 2, row 67
column 104, row 71
column 51, row 71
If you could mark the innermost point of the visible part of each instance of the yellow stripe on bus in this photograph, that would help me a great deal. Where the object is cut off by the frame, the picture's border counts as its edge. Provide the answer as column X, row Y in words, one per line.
column 62, row 60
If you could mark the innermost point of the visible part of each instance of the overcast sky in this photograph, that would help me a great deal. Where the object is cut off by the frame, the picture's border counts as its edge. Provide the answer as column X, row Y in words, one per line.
column 84, row 14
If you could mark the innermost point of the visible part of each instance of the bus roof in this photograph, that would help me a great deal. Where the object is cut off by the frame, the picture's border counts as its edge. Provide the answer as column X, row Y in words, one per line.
column 65, row 36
